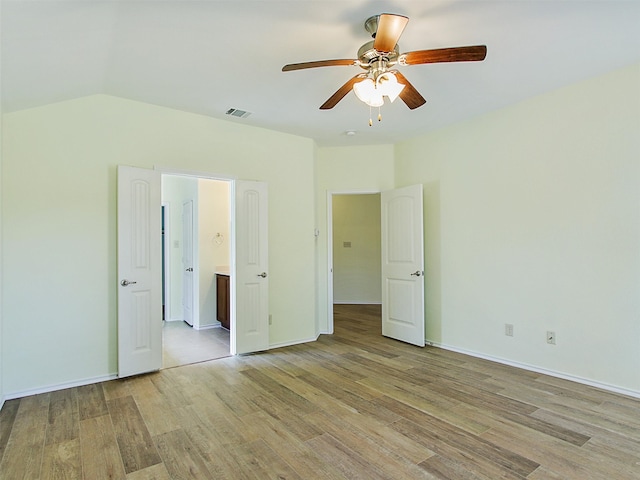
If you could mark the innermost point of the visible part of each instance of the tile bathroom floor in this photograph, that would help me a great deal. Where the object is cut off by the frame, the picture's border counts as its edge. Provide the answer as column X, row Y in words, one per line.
column 182, row 344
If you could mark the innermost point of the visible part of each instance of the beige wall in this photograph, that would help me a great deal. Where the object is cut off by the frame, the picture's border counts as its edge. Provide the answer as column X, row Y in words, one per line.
column 533, row 218
column 357, row 270
column 59, row 218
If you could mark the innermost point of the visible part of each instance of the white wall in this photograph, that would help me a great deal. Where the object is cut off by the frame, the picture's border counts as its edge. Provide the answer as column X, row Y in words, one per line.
column 341, row 170
column 59, row 220
column 357, row 267
column 534, row 214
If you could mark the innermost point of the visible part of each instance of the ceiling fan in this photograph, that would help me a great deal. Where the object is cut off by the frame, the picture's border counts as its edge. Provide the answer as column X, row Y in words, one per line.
column 378, row 57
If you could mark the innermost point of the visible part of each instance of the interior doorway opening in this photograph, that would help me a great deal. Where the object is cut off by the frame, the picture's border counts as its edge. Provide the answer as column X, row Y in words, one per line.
column 354, row 250
column 195, row 250
column 401, row 277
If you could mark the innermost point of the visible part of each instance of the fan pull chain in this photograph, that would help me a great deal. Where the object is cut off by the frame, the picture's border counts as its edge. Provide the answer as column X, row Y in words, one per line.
column 379, row 116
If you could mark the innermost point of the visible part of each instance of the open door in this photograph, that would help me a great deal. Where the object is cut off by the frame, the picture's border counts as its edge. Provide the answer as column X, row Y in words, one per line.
column 251, row 322
column 403, row 265
column 139, row 271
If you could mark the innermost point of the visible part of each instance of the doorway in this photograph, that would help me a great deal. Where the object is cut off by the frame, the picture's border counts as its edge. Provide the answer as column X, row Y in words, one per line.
column 354, row 249
column 140, row 264
column 402, row 262
column 196, row 225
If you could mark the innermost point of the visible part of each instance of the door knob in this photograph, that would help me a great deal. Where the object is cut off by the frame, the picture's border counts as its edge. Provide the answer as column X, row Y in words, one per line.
column 263, row 274
column 125, row 283
column 417, row 273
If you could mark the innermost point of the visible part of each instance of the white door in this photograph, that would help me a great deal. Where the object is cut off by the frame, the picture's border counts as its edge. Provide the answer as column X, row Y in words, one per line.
column 251, row 282
column 139, row 271
column 187, row 261
column 403, row 265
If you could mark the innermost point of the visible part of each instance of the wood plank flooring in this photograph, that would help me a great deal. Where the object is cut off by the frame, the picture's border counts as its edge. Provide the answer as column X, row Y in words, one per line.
column 354, row 405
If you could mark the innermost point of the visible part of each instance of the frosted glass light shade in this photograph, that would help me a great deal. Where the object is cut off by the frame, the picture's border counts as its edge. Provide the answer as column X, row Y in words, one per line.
column 387, row 84
column 367, row 92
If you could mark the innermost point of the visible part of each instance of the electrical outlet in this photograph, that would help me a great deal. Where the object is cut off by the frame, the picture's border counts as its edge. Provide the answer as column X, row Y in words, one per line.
column 551, row 337
column 508, row 329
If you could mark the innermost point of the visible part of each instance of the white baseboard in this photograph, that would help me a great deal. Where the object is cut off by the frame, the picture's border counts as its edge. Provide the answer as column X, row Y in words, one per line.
column 524, row 366
column 60, row 386
column 296, row 342
column 356, row 303
column 544, row 371
column 208, row 327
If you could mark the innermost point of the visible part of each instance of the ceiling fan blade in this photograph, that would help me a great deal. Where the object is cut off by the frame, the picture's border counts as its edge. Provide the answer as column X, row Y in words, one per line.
column 456, row 54
column 409, row 94
column 319, row 63
column 390, row 28
column 340, row 94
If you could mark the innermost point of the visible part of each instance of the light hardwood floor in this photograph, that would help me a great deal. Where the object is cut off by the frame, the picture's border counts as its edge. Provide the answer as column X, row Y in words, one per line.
column 353, row 405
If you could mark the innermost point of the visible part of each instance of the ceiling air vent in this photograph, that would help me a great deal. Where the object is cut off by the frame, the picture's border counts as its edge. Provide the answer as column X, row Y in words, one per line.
column 234, row 112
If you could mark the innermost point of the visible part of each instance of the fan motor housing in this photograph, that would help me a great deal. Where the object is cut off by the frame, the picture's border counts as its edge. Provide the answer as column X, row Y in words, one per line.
column 367, row 56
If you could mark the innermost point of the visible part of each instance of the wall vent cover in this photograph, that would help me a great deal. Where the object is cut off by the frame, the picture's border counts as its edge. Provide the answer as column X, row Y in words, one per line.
column 234, row 112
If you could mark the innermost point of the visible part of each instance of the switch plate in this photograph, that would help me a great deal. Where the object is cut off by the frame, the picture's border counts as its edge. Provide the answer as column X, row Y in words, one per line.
column 551, row 337
column 508, row 329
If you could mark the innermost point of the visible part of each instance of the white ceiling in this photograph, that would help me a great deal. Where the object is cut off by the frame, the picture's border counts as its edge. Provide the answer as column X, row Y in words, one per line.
column 209, row 56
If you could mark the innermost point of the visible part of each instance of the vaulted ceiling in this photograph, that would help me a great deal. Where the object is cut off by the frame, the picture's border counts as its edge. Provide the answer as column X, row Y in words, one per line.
column 209, row 56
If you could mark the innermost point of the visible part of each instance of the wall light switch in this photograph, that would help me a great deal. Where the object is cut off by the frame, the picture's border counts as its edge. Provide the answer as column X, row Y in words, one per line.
column 508, row 329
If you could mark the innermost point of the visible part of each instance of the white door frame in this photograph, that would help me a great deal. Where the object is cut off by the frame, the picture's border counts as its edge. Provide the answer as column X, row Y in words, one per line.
column 330, row 194
column 167, row 259
column 190, row 293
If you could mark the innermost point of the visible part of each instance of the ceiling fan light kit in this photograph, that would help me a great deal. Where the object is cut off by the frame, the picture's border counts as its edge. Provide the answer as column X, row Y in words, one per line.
column 372, row 91
column 378, row 57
